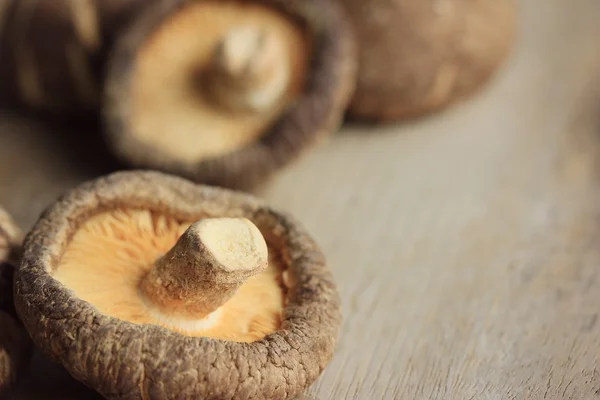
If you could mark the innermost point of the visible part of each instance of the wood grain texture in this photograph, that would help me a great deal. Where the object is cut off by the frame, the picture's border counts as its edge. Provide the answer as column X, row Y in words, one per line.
column 465, row 245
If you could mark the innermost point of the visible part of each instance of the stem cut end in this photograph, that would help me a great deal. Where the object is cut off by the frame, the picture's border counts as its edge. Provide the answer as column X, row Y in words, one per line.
column 236, row 244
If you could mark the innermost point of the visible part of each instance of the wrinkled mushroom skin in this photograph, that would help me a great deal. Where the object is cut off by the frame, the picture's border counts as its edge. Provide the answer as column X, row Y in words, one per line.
column 52, row 52
column 15, row 346
column 122, row 360
column 309, row 118
column 418, row 57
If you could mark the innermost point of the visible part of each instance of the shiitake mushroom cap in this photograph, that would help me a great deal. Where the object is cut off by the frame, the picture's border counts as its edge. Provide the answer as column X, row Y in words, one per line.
column 420, row 57
column 123, row 360
column 312, row 114
column 53, row 52
column 15, row 346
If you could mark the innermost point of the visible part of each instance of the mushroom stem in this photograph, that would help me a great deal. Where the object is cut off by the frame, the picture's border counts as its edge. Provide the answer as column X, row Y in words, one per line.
column 249, row 70
column 206, row 266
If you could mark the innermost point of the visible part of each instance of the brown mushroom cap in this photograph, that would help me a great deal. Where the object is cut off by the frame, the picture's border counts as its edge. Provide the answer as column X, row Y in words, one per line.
column 417, row 57
column 15, row 346
column 52, row 52
column 247, row 88
column 124, row 360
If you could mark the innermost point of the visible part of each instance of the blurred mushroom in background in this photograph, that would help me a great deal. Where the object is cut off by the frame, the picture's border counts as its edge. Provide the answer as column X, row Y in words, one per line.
column 419, row 57
column 220, row 92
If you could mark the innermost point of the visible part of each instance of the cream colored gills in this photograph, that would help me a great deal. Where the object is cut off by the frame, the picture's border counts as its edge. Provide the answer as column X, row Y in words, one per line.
column 186, row 109
column 112, row 254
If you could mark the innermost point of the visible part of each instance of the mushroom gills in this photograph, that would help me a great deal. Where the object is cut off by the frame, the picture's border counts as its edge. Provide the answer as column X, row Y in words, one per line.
column 113, row 256
column 236, row 67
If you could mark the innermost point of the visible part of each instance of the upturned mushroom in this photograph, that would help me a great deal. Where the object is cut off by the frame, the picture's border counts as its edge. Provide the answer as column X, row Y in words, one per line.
column 220, row 92
column 249, row 86
column 15, row 346
column 145, row 285
column 419, row 57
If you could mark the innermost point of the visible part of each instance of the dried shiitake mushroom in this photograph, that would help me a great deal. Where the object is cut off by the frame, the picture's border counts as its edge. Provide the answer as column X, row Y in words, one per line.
column 246, row 88
column 417, row 57
column 52, row 52
column 15, row 346
column 145, row 285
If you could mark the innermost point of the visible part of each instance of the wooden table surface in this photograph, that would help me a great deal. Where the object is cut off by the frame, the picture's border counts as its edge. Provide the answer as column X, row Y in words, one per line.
column 466, row 245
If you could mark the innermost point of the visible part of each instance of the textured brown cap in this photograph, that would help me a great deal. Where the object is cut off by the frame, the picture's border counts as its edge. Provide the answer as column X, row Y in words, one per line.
column 418, row 57
column 15, row 346
column 315, row 114
column 122, row 360
column 53, row 52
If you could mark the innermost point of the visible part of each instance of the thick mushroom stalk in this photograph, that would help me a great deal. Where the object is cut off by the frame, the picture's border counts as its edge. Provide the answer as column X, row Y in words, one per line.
column 205, row 267
column 249, row 70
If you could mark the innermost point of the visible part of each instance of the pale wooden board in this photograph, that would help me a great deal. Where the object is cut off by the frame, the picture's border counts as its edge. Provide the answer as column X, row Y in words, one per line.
column 466, row 246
